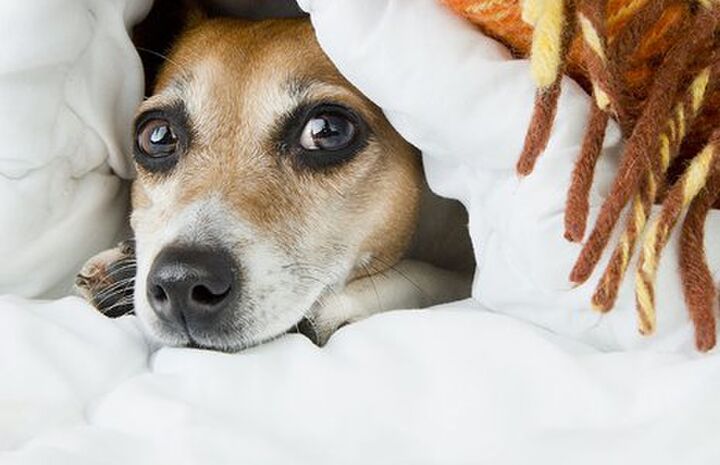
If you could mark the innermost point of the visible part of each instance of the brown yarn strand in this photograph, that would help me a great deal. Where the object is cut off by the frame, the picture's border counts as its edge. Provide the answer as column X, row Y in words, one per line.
column 697, row 280
column 621, row 48
column 603, row 73
column 546, row 101
column 704, row 165
column 577, row 203
column 606, row 292
column 635, row 29
column 643, row 143
column 591, row 18
column 654, row 67
column 684, row 115
column 540, row 127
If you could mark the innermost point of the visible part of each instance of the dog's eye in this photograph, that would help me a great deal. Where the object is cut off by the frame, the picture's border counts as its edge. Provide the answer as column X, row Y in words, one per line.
column 323, row 135
column 327, row 131
column 162, row 136
column 156, row 138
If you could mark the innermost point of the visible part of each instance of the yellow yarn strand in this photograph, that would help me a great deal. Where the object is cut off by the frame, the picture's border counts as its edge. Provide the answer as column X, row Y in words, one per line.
column 708, row 3
column 673, row 130
column 625, row 12
column 638, row 214
column 680, row 114
column 696, row 175
column 479, row 8
column 531, row 10
column 591, row 37
column 601, row 98
column 645, row 305
column 698, row 88
column 548, row 19
column 664, row 152
column 692, row 181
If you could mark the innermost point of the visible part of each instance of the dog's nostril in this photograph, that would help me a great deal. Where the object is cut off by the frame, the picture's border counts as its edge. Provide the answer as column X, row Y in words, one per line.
column 203, row 295
column 192, row 285
column 158, row 294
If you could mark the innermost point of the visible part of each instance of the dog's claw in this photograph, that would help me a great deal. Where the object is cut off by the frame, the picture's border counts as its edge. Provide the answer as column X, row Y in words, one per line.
column 107, row 280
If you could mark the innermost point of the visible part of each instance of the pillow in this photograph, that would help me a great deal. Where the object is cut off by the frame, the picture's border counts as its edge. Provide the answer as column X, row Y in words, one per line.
column 460, row 98
column 70, row 81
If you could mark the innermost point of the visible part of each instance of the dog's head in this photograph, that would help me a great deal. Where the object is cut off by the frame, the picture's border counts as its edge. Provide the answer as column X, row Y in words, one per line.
column 265, row 181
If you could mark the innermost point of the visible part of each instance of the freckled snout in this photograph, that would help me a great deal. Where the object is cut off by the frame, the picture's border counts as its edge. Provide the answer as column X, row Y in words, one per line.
column 193, row 287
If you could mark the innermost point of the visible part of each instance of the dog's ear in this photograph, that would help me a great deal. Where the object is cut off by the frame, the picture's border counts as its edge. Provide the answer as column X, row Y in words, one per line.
column 154, row 36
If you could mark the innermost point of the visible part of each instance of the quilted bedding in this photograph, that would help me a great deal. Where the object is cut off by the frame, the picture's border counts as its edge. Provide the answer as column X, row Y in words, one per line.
column 524, row 372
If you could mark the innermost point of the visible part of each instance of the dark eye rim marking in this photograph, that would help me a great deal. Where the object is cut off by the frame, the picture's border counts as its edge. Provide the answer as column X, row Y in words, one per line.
column 177, row 117
column 320, row 160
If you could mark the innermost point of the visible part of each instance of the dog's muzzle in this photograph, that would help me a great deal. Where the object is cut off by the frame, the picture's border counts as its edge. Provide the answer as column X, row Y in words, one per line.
column 192, row 287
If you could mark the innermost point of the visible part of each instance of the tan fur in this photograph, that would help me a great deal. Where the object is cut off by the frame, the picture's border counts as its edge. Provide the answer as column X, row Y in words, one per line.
column 327, row 246
column 237, row 72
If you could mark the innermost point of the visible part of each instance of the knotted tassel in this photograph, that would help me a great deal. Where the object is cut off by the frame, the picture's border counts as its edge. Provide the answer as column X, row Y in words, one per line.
column 554, row 26
column 679, row 197
column 642, row 149
column 685, row 112
column 697, row 280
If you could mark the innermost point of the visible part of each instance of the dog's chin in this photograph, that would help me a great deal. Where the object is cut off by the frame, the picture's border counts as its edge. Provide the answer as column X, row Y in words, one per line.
column 230, row 344
column 234, row 340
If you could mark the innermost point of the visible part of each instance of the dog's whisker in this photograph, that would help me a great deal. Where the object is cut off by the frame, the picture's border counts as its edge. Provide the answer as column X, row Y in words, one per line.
column 372, row 281
column 159, row 55
column 303, row 265
column 327, row 285
column 403, row 275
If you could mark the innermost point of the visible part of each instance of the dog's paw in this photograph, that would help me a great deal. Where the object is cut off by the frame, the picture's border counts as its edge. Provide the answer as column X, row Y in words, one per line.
column 107, row 280
column 330, row 314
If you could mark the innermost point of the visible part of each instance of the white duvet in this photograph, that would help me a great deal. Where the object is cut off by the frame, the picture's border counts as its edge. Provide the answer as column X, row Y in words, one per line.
column 525, row 373
column 457, row 385
column 70, row 81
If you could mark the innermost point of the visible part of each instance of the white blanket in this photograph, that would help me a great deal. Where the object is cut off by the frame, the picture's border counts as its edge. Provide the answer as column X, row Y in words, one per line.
column 70, row 81
column 456, row 95
column 446, row 386
column 456, row 385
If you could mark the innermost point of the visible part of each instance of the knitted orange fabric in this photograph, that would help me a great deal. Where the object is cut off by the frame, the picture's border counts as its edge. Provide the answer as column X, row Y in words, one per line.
column 654, row 66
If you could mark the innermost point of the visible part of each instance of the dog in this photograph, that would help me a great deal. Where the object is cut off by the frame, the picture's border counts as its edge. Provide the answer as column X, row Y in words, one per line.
column 271, row 195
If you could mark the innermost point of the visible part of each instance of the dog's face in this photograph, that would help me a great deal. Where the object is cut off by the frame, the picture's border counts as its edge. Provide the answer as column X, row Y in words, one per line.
column 265, row 181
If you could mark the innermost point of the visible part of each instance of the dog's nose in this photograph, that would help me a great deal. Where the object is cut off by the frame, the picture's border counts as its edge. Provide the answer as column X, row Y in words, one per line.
column 190, row 285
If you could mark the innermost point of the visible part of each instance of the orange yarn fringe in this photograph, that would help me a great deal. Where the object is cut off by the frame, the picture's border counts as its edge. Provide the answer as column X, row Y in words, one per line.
column 653, row 66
